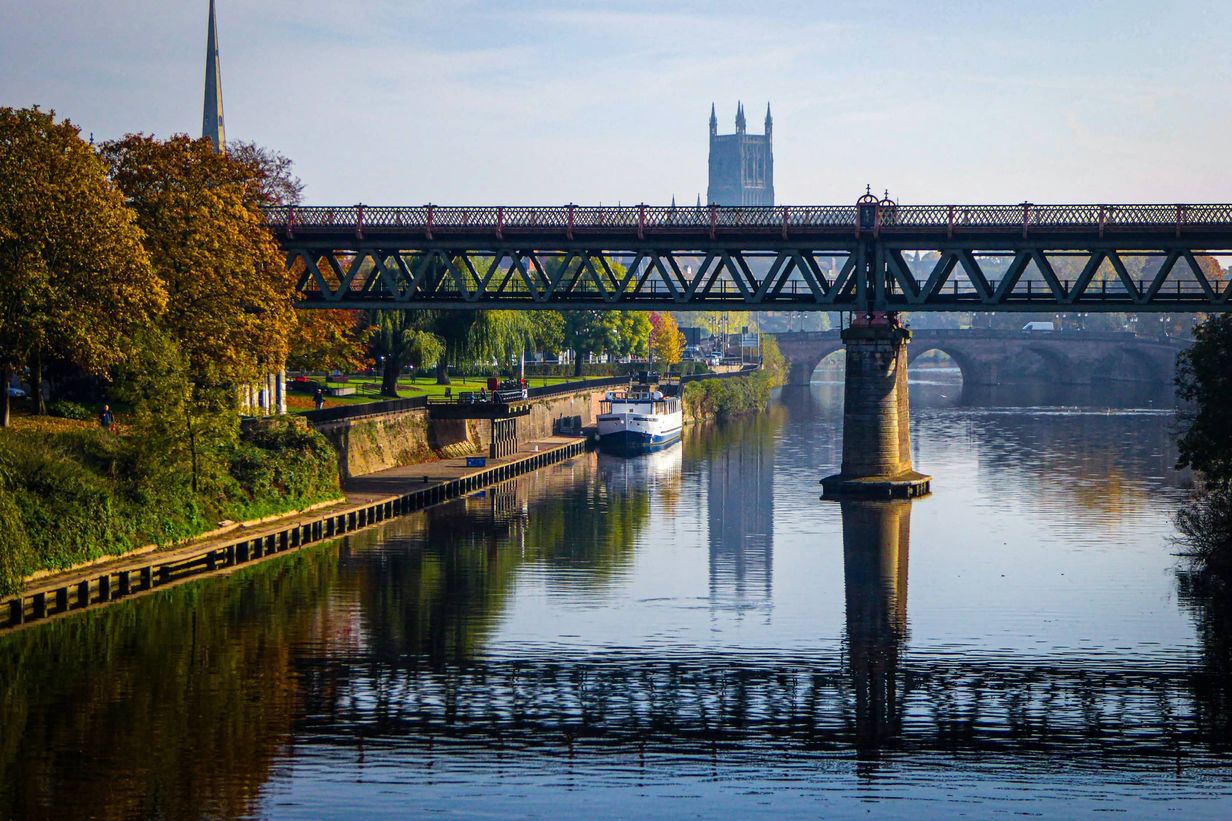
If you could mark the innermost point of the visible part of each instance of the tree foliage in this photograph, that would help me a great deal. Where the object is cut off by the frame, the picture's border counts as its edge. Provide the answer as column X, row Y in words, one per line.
column 1204, row 381
column 399, row 340
column 666, row 339
column 229, row 314
column 611, row 332
column 276, row 183
column 229, row 304
column 75, row 281
column 326, row 340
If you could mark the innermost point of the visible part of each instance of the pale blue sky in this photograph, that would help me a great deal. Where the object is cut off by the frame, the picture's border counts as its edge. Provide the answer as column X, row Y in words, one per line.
column 393, row 101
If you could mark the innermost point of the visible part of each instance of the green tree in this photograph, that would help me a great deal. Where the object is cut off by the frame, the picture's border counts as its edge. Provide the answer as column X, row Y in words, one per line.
column 229, row 313
column 398, row 341
column 75, row 280
column 478, row 336
column 616, row 333
column 1204, row 381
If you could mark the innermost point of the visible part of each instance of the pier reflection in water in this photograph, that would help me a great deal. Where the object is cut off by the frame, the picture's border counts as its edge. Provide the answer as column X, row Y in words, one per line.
column 578, row 642
column 876, row 546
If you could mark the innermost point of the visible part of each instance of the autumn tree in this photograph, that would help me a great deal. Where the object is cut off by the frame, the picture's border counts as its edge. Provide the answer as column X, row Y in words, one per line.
column 666, row 340
column 229, row 310
column 75, row 280
column 327, row 340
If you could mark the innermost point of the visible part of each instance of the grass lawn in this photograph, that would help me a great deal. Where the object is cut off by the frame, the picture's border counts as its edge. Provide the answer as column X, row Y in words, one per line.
column 367, row 389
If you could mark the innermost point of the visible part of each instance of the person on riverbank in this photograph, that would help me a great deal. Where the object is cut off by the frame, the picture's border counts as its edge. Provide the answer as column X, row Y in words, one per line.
column 106, row 419
column 318, row 398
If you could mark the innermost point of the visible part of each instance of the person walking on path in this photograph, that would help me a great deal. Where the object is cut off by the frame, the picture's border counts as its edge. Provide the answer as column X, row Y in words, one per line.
column 318, row 398
column 106, row 419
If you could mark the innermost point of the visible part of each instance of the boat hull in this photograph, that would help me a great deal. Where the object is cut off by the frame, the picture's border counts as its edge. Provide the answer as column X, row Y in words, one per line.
column 630, row 441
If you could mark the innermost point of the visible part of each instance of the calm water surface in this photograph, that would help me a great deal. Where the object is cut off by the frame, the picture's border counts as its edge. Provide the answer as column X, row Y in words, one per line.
column 692, row 633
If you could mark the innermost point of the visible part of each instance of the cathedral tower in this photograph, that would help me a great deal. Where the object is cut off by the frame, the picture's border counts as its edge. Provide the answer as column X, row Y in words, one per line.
column 741, row 164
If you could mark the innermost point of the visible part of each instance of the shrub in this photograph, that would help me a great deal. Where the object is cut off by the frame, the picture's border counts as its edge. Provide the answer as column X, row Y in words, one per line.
column 70, row 410
column 735, row 396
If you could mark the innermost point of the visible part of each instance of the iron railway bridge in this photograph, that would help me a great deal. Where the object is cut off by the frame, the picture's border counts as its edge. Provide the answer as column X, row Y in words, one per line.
column 870, row 256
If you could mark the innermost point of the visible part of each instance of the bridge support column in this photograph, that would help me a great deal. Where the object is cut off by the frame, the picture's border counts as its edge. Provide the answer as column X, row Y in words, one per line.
column 876, row 417
column 800, row 373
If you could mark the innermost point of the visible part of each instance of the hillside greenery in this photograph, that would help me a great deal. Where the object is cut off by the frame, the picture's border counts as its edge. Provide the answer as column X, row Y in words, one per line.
column 73, row 492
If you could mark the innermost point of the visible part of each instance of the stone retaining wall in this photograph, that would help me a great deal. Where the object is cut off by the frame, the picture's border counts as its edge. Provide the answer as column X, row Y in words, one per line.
column 372, row 443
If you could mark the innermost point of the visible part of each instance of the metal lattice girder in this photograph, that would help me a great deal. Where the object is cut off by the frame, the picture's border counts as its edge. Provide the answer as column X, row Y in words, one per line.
column 958, row 258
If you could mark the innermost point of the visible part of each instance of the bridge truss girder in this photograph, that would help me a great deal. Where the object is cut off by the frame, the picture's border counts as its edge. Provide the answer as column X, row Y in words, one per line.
column 838, row 275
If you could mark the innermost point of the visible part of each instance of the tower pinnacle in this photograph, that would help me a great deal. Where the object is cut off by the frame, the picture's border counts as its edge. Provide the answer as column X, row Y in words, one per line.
column 212, row 121
column 740, row 124
column 769, row 120
column 714, row 121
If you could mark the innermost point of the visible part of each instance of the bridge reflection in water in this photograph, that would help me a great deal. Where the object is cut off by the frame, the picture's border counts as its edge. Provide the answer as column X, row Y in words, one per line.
column 873, row 703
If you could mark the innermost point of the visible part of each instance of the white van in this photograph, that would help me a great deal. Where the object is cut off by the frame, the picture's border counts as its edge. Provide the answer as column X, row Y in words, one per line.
column 1034, row 327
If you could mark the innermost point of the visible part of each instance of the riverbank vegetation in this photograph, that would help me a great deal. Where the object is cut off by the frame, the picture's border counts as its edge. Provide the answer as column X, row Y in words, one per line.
column 71, row 492
column 1204, row 385
column 736, row 396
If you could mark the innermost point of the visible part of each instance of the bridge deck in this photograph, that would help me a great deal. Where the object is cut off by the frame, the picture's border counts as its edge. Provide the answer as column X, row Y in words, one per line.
column 1045, row 258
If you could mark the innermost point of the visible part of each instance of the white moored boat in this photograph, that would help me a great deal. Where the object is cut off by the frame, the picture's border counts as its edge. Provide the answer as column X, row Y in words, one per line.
column 639, row 420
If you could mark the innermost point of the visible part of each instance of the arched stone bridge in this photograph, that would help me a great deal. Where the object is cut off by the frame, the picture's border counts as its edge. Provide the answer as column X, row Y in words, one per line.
column 992, row 357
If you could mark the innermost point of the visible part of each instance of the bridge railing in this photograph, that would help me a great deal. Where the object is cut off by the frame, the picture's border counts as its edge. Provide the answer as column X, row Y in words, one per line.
column 769, row 220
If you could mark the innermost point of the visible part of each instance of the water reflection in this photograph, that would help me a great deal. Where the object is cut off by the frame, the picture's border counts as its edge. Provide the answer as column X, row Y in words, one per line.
column 876, row 539
column 739, row 503
column 573, row 641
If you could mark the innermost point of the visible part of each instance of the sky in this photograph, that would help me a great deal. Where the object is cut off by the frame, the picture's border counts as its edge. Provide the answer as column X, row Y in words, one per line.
column 549, row 102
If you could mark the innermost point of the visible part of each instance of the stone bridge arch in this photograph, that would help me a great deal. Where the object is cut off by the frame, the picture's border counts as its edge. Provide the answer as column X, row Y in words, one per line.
column 805, row 351
column 971, row 369
column 1153, row 363
column 990, row 357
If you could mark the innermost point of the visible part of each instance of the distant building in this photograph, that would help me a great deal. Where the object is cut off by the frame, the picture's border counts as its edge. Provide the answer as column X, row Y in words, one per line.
column 741, row 164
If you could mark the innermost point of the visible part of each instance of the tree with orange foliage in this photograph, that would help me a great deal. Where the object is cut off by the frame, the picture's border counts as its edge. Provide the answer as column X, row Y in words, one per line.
column 229, row 310
column 666, row 340
column 74, row 278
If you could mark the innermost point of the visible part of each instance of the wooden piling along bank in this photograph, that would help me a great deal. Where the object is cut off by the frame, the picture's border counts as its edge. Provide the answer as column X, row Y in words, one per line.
column 116, row 584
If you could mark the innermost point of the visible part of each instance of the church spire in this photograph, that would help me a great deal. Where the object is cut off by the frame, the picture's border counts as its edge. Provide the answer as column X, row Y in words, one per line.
column 211, row 121
column 740, row 124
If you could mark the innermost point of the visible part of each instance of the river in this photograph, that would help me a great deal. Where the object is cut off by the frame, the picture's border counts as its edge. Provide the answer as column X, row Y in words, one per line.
column 690, row 633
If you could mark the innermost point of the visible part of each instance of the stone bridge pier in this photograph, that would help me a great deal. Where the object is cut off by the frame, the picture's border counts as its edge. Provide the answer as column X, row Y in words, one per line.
column 876, row 417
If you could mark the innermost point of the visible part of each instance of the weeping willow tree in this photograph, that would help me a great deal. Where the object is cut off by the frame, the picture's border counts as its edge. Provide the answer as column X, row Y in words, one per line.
column 401, row 339
column 444, row 338
column 486, row 336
